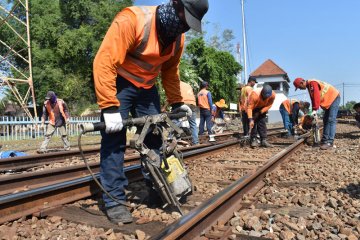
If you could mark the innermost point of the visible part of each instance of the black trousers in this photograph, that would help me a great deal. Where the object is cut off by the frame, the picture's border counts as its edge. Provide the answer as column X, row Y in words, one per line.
column 245, row 122
column 259, row 124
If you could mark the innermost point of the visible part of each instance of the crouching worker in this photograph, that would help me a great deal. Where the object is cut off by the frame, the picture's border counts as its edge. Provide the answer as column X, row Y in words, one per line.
column 289, row 110
column 259, row 103
column 140, row 43
column 217, row 116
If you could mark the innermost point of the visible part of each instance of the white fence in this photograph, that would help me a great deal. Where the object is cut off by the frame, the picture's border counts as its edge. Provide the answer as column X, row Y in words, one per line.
column 18, row 128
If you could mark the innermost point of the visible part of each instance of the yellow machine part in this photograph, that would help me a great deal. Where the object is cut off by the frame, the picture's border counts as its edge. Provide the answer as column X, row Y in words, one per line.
column 175, row 169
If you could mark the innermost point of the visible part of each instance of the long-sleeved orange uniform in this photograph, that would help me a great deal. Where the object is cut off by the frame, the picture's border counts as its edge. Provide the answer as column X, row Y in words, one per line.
column 119, row 55
column 255, row 101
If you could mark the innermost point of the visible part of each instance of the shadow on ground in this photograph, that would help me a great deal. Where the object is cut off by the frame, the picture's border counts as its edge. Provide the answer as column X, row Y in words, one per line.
column 353, row 190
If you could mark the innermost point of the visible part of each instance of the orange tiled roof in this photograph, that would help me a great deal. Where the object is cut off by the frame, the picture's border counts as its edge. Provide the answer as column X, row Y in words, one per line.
column 268, row 68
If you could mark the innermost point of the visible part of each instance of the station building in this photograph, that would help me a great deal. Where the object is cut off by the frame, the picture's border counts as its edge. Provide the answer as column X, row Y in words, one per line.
column 270, row 73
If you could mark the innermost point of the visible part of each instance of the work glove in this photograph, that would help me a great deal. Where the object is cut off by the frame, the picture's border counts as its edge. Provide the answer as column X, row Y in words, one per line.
column 113, row 122
column 42, row 126
column 67, row 122
column 176, row 108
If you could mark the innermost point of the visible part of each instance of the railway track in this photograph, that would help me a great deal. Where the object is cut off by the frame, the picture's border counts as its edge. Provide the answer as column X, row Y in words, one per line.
column 16, row 164
column 35, row 192
column 211, row 217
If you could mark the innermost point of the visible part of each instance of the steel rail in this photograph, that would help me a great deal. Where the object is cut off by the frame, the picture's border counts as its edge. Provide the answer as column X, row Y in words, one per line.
column 222, row 206
column 26, row 162
column 14, row 206
column 30, row 180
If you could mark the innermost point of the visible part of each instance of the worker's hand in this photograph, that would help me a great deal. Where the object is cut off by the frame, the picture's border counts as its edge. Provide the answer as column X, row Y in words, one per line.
column 113, row 122
column 67, row 122
column 251, row 124
column 182, row 108
column 42, row 126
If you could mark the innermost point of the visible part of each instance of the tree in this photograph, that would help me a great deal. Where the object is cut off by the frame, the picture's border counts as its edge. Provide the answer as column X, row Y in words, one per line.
column 348, row 105
column 217, row 67
column 65, row 36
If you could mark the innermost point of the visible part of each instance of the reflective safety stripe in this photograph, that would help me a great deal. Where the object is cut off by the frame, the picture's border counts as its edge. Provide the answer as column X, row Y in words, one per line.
column 144, row 41
column 324, row 90
column 130, row 76
column 140, row 63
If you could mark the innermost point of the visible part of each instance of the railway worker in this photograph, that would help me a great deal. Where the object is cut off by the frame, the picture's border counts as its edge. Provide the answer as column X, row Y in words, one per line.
column 217, row 116
column 289, row 110
column 244, row 95
column 188, row 97
column 327, row 97
column 56, row 110
column 357, row 114
column 205, row 103
column 259, row 103
column 140, row 43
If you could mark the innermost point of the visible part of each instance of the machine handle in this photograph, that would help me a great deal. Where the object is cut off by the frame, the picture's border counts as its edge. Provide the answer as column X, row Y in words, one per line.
column 92, row 127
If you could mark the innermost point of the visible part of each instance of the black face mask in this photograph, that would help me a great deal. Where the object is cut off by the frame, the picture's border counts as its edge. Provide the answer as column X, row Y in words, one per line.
column 170, row 24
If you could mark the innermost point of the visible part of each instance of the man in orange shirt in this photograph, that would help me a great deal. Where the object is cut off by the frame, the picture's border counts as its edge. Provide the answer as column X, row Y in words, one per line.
column 244, row 95
column 140, row 43
column 205, row 104
column 327, row 97
column 259, row 103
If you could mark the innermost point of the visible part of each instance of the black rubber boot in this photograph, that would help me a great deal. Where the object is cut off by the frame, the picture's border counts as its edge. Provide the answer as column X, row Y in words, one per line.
column 254, row 143
column 119, row 214
column 265, row 143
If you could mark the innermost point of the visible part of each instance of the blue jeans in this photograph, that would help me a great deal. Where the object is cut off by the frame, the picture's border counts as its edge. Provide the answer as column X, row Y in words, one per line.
column 193, row 126
column 286, row 119
column 330, row 122
column 205, row 116
column 139, row 102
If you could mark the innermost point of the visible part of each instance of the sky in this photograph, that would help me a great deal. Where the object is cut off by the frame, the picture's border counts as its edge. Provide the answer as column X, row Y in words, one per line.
column 307, row 38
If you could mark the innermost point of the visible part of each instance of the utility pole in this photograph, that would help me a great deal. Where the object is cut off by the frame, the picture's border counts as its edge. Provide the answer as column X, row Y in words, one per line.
column 343, row 95
column 244, row 40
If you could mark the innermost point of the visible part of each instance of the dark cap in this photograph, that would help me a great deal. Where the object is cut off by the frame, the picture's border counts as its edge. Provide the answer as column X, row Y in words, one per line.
column 266, row 92
column 251, row 78
column 194, row 12
column 49, row 95
column 204, row 84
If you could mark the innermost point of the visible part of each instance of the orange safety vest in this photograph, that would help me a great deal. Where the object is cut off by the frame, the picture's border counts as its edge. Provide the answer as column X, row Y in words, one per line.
column 287, row 105
column 327, row 93
column 203, row 100
column 187, row 93
column 255, row 98
column 245, row 93
column 50, row 110
column 142, row 64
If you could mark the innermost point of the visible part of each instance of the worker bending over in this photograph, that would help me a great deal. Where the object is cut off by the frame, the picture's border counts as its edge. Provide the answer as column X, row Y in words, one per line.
column 259, row 103
column 327, row 97
column 140, row 43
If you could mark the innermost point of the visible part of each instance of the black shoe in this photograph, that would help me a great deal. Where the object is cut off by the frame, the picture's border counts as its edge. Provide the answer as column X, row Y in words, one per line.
column 119, row 214
column 265, row 143
column 254, row 143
